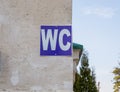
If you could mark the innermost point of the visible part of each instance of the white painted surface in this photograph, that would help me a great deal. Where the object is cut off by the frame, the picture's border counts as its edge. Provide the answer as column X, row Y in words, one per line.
column 62, row 46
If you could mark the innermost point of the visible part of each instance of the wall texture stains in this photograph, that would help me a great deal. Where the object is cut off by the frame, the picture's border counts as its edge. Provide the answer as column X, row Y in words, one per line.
column 14, row 78
column 21, row 66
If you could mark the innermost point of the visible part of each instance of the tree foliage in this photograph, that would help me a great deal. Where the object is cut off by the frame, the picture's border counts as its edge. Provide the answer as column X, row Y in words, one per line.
column 85, row 81
column 116, row 78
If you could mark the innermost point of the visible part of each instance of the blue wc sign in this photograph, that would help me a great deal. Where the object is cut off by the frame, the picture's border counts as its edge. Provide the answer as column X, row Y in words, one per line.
column 55, row 40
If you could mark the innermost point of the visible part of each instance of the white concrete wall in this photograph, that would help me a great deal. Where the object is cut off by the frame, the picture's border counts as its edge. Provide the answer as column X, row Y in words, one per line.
column 21, row 66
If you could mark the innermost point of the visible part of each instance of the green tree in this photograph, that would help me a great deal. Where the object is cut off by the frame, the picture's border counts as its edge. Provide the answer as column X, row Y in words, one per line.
column 116, row 72
column 76, row 86
column 94, row 87
column 85, row 80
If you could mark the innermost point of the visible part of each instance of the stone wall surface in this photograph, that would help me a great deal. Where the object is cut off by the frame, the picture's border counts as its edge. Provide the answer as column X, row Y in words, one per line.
column 22, row 68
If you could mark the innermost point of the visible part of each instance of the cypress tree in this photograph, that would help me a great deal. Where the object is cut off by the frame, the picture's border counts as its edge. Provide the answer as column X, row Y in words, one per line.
column 85, row 80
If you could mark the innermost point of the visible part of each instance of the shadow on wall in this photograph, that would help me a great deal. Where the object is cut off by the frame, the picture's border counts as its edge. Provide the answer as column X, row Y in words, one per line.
column 4, row 70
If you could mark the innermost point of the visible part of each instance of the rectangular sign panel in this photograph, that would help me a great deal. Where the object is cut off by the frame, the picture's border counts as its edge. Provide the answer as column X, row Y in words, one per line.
column 55, row 40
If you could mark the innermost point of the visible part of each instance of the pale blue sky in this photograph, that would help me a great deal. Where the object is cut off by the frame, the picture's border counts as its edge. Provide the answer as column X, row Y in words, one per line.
column 96, row 25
